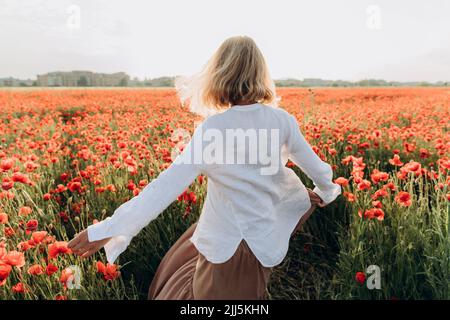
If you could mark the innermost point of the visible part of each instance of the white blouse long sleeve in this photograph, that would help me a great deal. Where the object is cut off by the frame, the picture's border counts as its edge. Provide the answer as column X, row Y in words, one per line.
column 257, row 202
column 133, row 215
column 310, row 163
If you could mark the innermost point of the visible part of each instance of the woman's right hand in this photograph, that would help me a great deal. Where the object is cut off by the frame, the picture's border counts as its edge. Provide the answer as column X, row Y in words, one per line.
column 81, row 246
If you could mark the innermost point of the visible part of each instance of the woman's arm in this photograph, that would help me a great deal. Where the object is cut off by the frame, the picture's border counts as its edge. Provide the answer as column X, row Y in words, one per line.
column 116, row 232
column 320, row 172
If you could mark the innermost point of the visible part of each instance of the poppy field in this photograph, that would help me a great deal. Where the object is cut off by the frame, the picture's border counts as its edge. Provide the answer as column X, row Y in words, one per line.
column 70, row 157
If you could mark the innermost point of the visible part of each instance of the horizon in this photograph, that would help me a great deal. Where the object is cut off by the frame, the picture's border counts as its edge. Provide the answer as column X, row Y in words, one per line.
column 401, row 41
column 275, row 79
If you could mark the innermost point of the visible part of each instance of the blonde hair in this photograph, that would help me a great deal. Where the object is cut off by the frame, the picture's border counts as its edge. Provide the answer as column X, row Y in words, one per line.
column 237, row 72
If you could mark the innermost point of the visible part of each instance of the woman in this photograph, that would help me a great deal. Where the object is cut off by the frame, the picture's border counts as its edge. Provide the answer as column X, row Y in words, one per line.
column 254, row 203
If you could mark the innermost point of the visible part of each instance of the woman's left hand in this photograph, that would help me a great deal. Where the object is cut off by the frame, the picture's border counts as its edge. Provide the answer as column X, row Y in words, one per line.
column 315, row 199
column 81, row 246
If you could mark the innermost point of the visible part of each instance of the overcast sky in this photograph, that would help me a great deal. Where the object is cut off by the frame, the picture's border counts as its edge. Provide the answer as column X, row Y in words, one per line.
column 403, row 40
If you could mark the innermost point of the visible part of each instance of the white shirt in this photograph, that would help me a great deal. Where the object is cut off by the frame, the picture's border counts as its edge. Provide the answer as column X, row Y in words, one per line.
column 246, row 198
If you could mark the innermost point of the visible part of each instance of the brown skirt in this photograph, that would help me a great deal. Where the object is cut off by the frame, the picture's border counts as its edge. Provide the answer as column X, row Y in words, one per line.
column 185, row 274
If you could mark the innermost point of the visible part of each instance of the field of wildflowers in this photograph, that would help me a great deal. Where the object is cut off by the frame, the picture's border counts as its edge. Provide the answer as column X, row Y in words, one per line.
column 69, row 157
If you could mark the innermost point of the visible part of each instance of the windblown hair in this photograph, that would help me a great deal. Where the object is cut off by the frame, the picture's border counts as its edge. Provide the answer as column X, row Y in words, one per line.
column 237, row 72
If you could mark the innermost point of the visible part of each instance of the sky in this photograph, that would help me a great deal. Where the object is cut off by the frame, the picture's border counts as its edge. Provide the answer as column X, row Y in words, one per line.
column 395, row 40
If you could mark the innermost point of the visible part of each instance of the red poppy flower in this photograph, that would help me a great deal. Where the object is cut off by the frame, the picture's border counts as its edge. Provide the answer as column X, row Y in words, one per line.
column 101, row 268
column 412, row 166
column 374, row 213
column 18, row 288
column 111, row 272
column 378, row 214
column 74, row 186
column 51, row 269
column 60, row 188
column 332, row 151
column 379, row 194
column 9, row 232
column 20, row 177
column 112, row 188
column 38, row 236
column 131, row 186
column 424, row 153
column 59, row 247
column 378, row 176
column 3, row 218
column 24, row 211
column 7, row 184
column 349, row 196
column 364, row 185
column 5, row 270
column 403, row 198
column 122, row 144
column 390, row 185
column 64, row 216
column 347, row 160
column 377, row 204
column 35, row 270
column 100, row 189
column 192, row 197
column 15, row 259
column 24, row 245
column 360, row 277
column 31, row 225
column 396, row 160
column 341, row 181
column 7, row 164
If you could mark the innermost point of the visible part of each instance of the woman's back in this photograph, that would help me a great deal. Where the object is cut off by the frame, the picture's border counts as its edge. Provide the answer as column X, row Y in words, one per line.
column 251, row 194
